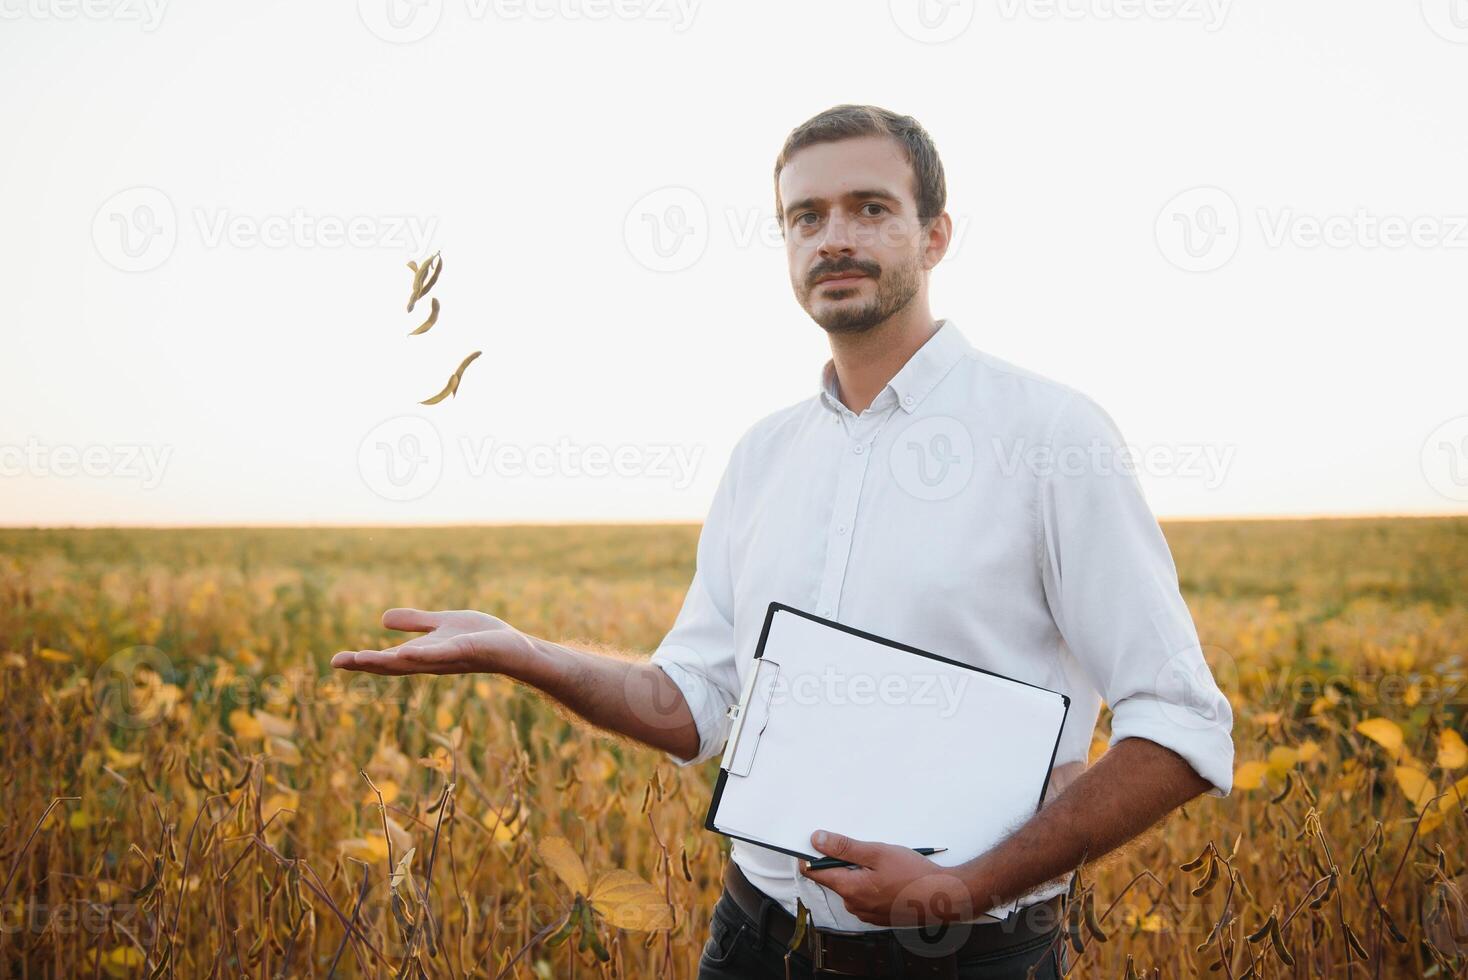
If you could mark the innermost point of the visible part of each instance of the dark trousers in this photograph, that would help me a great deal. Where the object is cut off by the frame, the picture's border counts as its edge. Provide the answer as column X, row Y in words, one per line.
column 735, row 951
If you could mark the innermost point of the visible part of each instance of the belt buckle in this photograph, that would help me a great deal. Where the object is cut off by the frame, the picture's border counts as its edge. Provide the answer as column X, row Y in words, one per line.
column 817, row 941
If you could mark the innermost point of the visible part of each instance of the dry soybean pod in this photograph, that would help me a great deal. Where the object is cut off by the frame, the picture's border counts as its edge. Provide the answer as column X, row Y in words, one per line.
column 428, row 324
column 1092, row 925
column 1277, row 941
column 1269, row 924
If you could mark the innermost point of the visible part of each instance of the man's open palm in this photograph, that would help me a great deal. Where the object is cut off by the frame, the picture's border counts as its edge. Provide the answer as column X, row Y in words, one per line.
column 458, row 641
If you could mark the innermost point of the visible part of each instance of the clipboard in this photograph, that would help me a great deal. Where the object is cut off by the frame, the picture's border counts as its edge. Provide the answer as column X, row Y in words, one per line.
column 880, row 766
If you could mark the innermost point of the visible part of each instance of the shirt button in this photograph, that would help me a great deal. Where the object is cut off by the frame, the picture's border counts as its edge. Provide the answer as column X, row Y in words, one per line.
column 826, row 611
column 908, row 400
column 841, row 529
column 860, row 449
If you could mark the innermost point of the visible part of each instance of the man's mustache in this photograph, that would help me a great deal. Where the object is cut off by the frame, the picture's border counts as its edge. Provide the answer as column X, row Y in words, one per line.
column 870, row 269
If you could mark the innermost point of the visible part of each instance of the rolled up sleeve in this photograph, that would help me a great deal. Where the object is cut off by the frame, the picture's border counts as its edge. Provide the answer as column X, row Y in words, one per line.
column 697, row 654
column 1112, row 587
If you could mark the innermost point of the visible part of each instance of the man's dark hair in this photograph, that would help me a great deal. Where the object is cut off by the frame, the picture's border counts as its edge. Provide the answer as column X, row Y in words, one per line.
column 848, row 121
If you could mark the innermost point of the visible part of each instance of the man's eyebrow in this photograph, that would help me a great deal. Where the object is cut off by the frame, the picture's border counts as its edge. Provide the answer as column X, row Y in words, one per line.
column 810, row 202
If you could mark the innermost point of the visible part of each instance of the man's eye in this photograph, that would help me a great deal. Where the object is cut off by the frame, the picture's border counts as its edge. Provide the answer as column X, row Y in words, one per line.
column 873, row 204
column 801, row 217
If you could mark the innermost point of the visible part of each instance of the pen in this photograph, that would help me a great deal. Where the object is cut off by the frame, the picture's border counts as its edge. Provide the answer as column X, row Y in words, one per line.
column 821, row 864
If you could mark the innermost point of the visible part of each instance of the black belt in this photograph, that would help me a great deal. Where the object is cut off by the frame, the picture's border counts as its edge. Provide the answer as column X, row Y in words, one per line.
column 908, row 952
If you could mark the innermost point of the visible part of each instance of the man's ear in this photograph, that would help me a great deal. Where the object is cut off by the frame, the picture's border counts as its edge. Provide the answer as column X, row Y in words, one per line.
column 937, row 236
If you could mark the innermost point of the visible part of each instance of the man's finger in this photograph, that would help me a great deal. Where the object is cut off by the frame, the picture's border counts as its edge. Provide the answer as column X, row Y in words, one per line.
column 414, row 620
column 836, row 879
column 846, row 848
column 373, row 661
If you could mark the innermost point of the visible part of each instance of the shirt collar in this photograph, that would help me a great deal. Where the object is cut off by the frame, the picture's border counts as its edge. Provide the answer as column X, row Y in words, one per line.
column 922, row 372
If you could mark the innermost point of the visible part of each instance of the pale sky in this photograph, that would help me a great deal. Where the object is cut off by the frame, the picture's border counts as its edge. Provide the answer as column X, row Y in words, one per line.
column 1242, row 227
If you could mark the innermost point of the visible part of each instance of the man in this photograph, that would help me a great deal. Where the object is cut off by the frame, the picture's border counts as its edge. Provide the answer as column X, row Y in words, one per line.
column 936, row 495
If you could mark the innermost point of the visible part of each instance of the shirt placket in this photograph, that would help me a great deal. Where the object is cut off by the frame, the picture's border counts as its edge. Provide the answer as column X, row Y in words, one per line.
column 858, row 432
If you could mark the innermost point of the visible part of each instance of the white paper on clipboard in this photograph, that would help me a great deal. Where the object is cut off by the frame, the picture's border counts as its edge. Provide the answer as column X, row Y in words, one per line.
column 879, row 741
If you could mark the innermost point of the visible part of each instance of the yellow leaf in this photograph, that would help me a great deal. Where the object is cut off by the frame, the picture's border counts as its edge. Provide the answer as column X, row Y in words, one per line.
column 1415, row 785
column 1282, row 759
column 371, row 848
column 506, row 829
column 401, row 839
column 387, row 787
column 389, row 760
column 628, row 902
column 1309, row 750
column 1382, row 731
column 118, row 759
column 245, row 725
column 57, row 657
column 285, row 799
column 440, row 760
column 1452, row 799
column 274, row 725
column 1250, row 775
column 285, row 751
column 122, row 961
column 1451, row 752
column 562, row 859
column 443, row 718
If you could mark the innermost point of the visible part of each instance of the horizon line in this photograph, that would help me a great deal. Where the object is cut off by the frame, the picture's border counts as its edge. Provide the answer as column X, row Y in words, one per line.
column 655, row 522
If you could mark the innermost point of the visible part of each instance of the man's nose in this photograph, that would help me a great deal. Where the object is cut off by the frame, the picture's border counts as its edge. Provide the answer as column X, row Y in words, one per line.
column 837, row 237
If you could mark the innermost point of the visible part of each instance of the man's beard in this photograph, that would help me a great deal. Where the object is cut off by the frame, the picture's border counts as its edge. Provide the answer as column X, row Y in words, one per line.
column 894, row 291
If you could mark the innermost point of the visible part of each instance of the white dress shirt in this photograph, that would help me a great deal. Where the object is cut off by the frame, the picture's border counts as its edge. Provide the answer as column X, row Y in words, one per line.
column 975, row 510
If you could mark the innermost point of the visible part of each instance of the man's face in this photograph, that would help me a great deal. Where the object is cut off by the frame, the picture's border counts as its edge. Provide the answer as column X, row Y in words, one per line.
column 850, row 211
